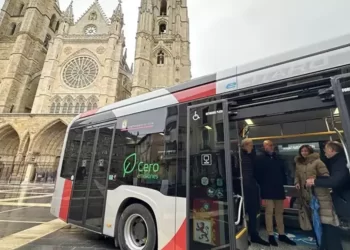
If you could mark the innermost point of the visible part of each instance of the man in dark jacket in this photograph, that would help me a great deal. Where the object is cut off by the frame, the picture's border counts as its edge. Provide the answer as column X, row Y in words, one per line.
column 271, row 177
column 250, row 190
column 339, row 181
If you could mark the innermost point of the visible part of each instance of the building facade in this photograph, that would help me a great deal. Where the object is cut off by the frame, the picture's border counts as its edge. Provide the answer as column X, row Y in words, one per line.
column 49, row 75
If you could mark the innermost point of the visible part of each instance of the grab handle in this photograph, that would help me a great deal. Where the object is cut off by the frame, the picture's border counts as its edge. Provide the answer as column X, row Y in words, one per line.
column 240, row 208
column 344, row 145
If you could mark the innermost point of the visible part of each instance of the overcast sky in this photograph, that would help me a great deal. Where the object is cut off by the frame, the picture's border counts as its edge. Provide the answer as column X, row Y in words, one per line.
column 226, row 33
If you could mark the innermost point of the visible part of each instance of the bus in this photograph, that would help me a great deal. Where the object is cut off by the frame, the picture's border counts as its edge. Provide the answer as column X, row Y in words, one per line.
column 162, row 170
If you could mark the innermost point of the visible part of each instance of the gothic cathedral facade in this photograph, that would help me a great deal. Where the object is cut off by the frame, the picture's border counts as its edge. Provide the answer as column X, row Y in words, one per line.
column 53, row 67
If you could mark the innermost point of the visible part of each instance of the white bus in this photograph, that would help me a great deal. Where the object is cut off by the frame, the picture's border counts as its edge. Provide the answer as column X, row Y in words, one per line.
column 151, row 171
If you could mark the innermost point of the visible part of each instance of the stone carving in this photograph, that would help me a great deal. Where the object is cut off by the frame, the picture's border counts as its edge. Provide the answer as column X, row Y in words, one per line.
column 68, row 50
column 100, row 50
column 93, row 16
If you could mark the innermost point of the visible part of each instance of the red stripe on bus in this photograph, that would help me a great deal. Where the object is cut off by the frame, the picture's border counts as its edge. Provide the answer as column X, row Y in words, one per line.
column 66, row 194
column 196, row 93
column 88, row 113
column 178, row 242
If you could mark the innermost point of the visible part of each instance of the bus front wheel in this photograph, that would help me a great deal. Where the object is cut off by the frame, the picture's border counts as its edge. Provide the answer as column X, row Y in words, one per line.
column 137, row 229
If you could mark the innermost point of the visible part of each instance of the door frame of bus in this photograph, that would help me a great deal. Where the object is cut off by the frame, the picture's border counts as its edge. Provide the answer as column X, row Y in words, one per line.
column 97, row 128
column 229, row 189
column 343, row 111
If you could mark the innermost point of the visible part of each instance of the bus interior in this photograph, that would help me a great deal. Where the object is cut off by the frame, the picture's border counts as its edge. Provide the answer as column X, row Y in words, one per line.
column 290, row 119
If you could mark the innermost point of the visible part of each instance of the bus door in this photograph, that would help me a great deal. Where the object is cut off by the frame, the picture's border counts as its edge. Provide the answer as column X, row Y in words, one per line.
column 341, row 91
column 90, row 182
column 209, row 203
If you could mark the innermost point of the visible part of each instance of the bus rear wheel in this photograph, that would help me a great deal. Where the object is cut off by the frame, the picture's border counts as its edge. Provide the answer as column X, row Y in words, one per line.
column 136, row 229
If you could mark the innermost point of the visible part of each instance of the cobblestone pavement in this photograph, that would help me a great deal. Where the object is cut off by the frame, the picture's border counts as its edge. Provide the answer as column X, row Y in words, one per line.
column 26, row 224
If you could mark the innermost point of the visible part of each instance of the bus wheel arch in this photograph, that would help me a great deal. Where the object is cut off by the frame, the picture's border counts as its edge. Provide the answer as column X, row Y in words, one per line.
column 123, row 206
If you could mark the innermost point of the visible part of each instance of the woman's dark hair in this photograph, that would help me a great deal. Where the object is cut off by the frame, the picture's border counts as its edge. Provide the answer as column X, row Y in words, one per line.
column 308, row 147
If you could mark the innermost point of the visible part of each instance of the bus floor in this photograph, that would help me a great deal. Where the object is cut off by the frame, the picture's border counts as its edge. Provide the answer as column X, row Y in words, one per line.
column 304, row 240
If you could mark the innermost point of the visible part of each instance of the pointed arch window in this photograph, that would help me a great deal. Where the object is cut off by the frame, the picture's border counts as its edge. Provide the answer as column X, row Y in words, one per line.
column 68, row 105
column 56, row 105
column 77, row 108
column 92, row 103
column 52, row 108
column 53, row 21
column 13, row 27
column 47, row 41
column 162, row 28
column 21, row 9
column 70, row 108
column 57, row 26
column 82, row 108
column 163, row 8
column 160, row 58
column 80, row 105
column 65, row 108
column 58, row 108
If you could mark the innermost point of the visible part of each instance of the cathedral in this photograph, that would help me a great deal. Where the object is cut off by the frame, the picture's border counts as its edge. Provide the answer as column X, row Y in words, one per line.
column 53, row 67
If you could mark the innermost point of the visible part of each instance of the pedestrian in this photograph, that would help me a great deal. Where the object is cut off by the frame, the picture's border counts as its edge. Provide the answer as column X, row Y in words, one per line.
column 250, row 191
column 339, row 182
column 308, row 165
column 271, row 176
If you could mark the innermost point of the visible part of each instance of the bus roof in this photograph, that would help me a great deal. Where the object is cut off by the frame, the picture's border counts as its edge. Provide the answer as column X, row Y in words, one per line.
column 305, row 60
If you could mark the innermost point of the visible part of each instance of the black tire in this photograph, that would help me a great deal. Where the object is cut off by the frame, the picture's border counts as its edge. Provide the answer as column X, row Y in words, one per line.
column 148, row 218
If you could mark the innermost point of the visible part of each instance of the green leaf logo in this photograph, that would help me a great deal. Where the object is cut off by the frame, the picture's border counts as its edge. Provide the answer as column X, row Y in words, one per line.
column 129, row 164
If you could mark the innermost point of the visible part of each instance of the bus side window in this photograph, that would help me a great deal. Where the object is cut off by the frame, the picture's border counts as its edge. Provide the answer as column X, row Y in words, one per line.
column 71, row 153
column 146, row 156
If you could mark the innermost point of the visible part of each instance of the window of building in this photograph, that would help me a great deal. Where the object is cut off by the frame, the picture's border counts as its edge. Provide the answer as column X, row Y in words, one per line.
column 12, row 30
column 58, row 108
column 77, row 108
column 71, row 153
column 162, row 28
column 57, row 26
column 160, row 58
column 70, row 108
column 163, row 8
column 52, row 108
column 47, row 40
column 21, row 10
column 53, row 21
column 143, row 153
column 64, row 109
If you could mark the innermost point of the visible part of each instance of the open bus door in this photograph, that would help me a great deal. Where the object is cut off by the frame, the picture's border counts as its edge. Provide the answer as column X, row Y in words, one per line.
column 341, row 91
column 212, row 208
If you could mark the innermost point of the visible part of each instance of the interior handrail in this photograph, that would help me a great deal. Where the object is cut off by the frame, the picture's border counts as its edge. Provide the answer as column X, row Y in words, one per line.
column 240, row 208
column 295, row 135
column 345, row 148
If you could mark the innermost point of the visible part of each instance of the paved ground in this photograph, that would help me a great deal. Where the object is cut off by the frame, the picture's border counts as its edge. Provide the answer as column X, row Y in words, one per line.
column 26, row 224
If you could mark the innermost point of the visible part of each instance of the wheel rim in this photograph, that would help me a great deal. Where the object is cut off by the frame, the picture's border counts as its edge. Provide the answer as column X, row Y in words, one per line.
column 136, row 232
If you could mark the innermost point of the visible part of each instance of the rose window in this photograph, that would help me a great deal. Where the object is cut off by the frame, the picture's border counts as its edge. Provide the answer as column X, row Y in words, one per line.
column 80, row 72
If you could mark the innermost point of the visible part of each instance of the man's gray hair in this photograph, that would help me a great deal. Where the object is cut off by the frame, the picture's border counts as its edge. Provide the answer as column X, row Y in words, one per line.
column 245, row 141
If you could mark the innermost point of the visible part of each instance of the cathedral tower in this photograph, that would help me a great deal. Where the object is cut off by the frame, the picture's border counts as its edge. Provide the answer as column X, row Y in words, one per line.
column 26, row 27
column 162, row 54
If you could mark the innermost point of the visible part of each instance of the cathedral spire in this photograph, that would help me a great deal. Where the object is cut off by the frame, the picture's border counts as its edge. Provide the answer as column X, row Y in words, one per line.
column 68, row 14
column 118, row 13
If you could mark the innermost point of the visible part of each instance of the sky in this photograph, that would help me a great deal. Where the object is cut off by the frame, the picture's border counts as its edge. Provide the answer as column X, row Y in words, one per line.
column 227, row 33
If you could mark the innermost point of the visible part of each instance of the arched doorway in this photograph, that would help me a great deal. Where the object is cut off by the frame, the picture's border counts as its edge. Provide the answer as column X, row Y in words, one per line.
column 47, row 147
column 9, row 143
